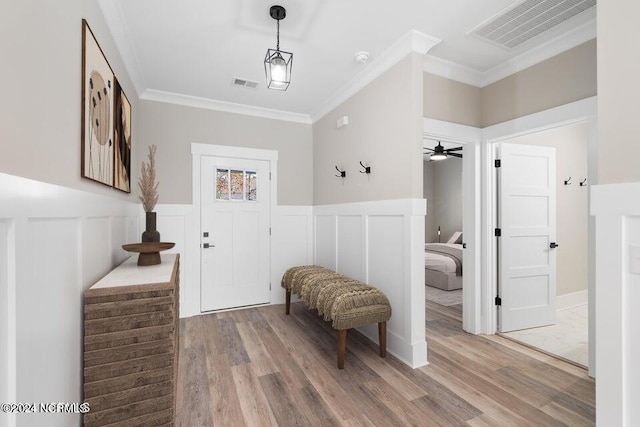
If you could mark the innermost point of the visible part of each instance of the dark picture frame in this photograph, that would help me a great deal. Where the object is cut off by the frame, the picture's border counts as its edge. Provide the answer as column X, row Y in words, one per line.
column 122, row 140
column 97, row 151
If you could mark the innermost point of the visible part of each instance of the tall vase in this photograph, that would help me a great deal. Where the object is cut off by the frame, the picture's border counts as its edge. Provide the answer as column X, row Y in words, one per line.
column 150, row 234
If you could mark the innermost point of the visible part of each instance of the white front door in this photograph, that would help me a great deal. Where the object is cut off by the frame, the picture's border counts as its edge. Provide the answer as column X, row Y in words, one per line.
column 526, row 248
column 234, row 232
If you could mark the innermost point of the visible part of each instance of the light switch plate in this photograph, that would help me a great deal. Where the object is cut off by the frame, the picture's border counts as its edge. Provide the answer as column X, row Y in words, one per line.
column 634, row 261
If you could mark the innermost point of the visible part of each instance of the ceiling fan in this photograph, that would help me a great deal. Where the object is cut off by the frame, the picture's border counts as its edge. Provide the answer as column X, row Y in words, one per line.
column 440, row 153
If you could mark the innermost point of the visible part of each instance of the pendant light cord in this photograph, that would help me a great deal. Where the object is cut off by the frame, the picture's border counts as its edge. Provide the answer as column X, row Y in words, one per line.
column 278, row 35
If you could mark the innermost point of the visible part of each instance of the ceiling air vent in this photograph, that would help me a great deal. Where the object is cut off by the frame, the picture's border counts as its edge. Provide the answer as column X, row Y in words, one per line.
column 244, row 82
column 527, row 19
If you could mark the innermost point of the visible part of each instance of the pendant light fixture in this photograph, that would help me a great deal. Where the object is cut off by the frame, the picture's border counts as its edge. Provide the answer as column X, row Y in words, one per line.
column 277, row 63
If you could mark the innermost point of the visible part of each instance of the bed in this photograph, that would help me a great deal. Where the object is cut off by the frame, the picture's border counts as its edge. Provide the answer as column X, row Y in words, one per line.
column 443, row 265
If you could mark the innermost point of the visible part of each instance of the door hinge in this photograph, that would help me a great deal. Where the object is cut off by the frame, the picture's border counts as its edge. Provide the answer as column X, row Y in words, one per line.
column 497, row 163
column 269, row 176
column 269, row 285
column 498, row 301
column 269, row 231
column 498, row 232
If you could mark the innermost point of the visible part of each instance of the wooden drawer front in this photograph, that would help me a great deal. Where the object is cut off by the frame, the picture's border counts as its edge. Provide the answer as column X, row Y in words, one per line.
column 126, row 382
column 124, row 308
column 91, row 298
column 129, row 352
column 124, row 338
column 126, row 412
column 130, row 396
column 125, row 323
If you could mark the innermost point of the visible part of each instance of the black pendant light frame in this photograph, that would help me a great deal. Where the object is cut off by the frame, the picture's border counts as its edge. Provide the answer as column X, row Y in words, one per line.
column 276, row 57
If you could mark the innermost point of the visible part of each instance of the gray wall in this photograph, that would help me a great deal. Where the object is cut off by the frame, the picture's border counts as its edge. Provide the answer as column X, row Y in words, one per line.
column 172, row 128
column 443, row 191
column 452, row 101
column 567, row 77
column 385, row 131
column 571, row 144
column 618, row 92
column 564, row 78
column 40, row 106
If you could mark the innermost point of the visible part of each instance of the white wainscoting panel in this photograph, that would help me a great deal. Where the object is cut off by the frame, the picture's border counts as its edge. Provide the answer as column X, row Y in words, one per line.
column 326, row 249
column 54, row 300
column 123, row 230
column 5, row 327
column 350, row 251
column 387, row 253
column 617, row 211
column 291, row 244
column 55, row 242
column 176, row 223
column 96, row 258
column 381, row 243
column 632, row 337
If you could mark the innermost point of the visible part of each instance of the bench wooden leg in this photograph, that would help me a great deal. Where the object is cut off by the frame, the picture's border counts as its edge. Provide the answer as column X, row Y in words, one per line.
column 382, row 337
column 288, row 300
column 342, row 344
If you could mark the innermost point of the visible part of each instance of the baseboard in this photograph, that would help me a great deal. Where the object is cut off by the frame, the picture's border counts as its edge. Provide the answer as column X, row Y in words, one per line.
column 411, row 354
column 574, row 299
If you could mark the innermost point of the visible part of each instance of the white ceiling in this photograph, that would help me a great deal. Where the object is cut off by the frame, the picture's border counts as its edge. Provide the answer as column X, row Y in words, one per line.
column 196, row 47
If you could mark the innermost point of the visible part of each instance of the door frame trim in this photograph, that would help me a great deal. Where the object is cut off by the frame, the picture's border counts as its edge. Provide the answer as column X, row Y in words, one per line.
column 583, row 111
column 469, row 137
column 198, row 150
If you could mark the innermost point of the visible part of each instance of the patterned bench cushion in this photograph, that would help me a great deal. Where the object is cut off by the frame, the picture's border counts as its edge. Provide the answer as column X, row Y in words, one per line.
column 348, row 303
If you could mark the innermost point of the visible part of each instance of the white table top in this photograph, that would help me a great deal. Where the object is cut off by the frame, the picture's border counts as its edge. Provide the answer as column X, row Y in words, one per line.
column 129, row 273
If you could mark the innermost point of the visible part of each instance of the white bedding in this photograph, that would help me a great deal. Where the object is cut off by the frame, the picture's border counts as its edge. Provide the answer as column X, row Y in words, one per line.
column 440, row 262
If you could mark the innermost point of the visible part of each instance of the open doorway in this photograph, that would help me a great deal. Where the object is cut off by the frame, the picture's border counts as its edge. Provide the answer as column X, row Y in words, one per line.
column 464, row 140
column 444, row 260
column 542, row 240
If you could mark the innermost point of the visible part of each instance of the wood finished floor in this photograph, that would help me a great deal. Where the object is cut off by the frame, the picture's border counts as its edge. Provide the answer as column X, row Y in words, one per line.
column 258, row 367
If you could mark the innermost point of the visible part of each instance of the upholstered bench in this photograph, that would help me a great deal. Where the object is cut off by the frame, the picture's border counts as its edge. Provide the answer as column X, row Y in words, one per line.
column 346, row 302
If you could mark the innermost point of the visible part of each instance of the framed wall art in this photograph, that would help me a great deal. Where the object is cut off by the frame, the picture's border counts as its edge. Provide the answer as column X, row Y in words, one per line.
column 97, row 111
column 122, row 140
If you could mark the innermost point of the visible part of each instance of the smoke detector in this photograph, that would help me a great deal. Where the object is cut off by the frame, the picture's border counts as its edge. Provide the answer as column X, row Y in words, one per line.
column 362, row 57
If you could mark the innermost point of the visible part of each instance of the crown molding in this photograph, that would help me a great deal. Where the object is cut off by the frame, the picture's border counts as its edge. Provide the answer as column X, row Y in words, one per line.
column 569, row 40
column 116, row 23
column 412, row 41
column 227, row 107
column 452, row 70
column 420, row 43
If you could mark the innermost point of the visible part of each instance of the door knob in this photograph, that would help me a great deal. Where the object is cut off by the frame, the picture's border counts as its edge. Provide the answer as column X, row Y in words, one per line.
column 553, row 245
column 207, row 246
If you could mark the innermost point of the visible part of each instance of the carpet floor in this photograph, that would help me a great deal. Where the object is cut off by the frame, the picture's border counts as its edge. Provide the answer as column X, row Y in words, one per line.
column 441, row 297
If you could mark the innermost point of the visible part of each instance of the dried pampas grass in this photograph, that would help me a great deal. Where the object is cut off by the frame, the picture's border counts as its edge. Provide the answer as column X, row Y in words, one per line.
column 147, row 182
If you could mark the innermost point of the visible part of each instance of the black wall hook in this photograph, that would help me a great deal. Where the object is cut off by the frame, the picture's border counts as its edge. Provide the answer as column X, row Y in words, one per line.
column 367, row 169
column 583, row 183
column 342, row 173
column 567, row 181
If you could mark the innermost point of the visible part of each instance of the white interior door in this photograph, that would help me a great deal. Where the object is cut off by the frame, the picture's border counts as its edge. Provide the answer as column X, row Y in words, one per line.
column 234, row 232
column 526, row 252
